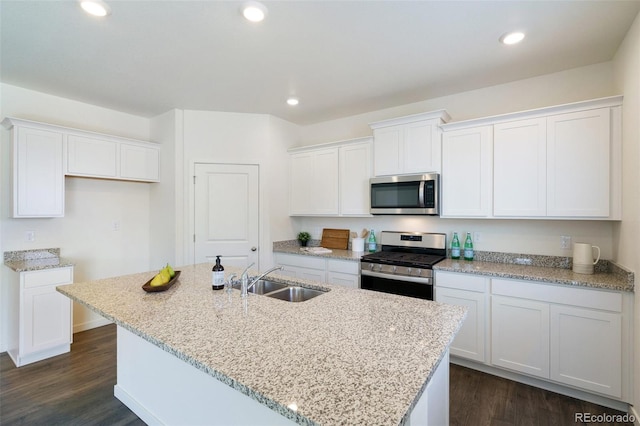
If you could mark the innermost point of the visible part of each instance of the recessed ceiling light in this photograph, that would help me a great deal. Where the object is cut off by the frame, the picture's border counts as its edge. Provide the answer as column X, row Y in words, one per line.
column 95, row 7
column 512, row 38
column 293, row 101
column 254, row 11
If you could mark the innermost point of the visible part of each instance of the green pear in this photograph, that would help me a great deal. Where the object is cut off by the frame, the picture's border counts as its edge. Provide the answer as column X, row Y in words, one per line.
column 172, row 273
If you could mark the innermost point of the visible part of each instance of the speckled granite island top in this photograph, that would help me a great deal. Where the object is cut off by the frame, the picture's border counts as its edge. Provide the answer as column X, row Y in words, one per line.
column 348, row 356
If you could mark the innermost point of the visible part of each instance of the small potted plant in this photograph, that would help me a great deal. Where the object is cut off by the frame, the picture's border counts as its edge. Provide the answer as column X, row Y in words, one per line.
column 304, row 238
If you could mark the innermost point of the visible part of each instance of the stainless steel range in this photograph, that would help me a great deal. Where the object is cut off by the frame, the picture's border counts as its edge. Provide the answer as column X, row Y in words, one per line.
column 404, row 266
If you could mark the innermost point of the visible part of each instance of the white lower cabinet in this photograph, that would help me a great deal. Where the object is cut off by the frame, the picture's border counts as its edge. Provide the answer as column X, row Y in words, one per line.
column 305, row 267
column 471, row 292
column 332, row 271
column 40, row 320
column 586, row 349
column 573, row 336
column 343, row 272
column 520, row 335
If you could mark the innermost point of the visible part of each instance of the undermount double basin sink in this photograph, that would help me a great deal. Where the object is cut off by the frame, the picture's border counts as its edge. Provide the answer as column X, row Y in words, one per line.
column 282, row 291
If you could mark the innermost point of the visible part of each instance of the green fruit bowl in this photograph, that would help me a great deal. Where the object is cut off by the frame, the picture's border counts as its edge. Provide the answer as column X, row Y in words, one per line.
column 151, row 289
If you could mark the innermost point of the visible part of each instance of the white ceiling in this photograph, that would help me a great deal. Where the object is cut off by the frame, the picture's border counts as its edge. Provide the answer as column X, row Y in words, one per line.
column 339, row 57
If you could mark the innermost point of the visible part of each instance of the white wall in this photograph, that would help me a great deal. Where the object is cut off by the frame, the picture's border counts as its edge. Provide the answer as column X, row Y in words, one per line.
column 220, row 137
column 167, row 199
column 84, row 235
column 627, row 233
column 523, row 236
column 577, row 84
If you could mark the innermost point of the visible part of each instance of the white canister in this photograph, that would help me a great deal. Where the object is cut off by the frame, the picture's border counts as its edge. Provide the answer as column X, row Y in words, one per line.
column 357, row 244
column 583, row 258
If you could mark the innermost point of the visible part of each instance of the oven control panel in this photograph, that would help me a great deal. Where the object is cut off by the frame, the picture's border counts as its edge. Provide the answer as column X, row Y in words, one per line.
column 396, row 270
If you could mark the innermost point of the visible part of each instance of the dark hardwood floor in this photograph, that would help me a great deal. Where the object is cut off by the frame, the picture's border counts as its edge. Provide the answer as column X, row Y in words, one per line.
column 77, row 389
column 482, row 399
column 71, row 389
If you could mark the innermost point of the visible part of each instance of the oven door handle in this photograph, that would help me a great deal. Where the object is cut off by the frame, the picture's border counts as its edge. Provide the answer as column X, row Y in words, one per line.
column 419, row 280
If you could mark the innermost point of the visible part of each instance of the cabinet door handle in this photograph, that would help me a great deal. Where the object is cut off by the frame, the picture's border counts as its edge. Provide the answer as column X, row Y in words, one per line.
column 254, row 248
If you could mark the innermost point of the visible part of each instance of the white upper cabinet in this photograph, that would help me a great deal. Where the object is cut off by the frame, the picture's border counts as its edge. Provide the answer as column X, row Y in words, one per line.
column 324, row 188
column 520, row 168
column 111, row 157
column 314, row 182
column 44, row 153
column 559, row 162
column 355, row 171
column 408, row 145
column 578, row 164
column 38, row 175
column 330, row 179
column 139, row 162
column 466, row 172
column 91, row 157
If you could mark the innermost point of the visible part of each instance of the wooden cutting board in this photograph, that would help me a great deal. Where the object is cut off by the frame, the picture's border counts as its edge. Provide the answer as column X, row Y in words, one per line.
column 335, row 238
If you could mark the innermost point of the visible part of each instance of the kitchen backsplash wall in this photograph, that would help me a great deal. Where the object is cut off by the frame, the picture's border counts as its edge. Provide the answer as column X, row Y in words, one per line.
column 539, row 237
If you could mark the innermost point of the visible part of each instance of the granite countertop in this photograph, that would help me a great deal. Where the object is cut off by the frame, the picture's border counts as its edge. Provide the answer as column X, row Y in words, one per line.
column 348, row 356
column 549, row 269
column 34, row 260
column 606, row 280
column 335, row 253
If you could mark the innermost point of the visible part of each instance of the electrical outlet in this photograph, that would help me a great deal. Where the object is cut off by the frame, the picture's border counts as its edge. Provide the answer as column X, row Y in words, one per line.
column 30, row 236
column 115, row 225
column 565, row 242
column 477, row 237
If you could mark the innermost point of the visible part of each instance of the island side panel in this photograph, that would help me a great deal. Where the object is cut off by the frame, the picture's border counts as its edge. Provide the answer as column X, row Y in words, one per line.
column 433, row 406
column 164, row 390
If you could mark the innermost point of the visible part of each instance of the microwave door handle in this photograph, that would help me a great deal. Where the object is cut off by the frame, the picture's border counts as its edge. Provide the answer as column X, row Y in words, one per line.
column 421, row 194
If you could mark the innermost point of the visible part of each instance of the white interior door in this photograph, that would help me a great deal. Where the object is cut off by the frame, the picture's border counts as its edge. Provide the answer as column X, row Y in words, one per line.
column 226, row 213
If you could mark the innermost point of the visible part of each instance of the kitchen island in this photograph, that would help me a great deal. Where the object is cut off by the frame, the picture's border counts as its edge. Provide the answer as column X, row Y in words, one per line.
column 349, row 356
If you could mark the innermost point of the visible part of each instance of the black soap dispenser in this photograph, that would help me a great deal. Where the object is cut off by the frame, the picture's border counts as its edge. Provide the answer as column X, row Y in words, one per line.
column 217, row 275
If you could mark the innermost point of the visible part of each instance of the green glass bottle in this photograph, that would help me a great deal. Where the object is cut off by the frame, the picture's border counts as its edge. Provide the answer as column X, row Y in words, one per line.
column 373, row 246
column 468, row 247
column 455, row 246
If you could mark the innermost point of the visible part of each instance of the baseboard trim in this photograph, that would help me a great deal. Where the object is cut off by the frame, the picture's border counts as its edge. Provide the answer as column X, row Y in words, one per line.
column 21, row 360
column 139, row 410
column 543, row 384
column 88, row 325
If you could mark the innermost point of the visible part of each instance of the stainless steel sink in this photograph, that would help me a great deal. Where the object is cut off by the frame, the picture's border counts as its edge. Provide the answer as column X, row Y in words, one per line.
column 295, row 294
column 263, row 287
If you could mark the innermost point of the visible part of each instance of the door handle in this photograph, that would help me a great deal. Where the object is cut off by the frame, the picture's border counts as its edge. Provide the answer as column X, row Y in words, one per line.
column 254, row 248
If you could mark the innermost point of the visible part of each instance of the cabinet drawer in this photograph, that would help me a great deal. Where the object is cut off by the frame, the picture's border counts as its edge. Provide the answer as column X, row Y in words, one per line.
column 301, row 261
column 461, row 281
column 580, row 297
column 344, row 266
column 53, row 276
column 346, row 280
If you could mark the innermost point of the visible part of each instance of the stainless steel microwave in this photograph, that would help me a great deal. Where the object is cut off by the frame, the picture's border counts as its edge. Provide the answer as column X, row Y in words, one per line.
column 406, row 194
